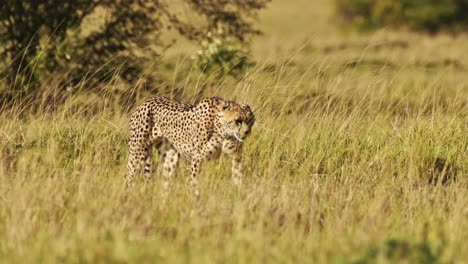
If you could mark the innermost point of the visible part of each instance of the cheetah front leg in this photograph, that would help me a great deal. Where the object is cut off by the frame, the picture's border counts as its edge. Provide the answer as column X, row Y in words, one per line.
column 236, row 168
column 234, row 152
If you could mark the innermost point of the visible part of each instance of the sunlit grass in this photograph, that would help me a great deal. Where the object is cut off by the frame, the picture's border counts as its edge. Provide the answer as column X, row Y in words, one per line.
column 359, row 155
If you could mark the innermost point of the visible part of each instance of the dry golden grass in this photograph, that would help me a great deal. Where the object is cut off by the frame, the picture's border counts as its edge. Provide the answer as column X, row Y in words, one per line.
column 359, row 155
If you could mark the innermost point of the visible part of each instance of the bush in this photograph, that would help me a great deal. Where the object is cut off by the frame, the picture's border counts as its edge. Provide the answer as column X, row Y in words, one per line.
column 102, row 39
column 220, row 54
column 424, row 15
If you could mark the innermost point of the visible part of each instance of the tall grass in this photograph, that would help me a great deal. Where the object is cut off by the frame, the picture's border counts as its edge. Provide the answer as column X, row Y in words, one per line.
column 359, row 155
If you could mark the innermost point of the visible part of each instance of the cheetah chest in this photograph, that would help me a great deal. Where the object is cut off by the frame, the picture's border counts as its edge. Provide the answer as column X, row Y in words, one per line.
column 209, row 150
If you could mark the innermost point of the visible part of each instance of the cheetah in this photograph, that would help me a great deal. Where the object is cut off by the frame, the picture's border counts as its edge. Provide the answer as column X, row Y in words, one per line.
column 196, row 132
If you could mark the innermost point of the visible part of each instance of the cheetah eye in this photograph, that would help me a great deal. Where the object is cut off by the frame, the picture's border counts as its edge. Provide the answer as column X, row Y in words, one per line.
column 238, row 122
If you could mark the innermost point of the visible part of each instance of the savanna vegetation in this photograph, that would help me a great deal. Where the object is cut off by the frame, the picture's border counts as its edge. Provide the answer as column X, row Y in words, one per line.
column 421, row 15
column 76, row 43
column 359, row 153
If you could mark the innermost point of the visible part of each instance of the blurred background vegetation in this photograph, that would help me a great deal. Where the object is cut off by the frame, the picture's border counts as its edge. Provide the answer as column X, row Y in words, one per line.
column 65, row 43
column 69, row 43
column 421, row 15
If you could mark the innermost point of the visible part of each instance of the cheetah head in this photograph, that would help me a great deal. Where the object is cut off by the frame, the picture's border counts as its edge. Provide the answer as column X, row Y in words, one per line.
column 236, row 120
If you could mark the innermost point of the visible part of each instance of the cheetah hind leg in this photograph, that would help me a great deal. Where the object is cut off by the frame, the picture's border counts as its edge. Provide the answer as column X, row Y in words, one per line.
column 171, row 162
column 148, row 161
column 138, row 161
column 134, row 166
column 132, row 169
column 159, row 144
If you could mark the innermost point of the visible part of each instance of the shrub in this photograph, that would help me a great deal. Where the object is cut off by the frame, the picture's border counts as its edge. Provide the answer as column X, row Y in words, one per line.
column 220, row 54
column 398, row 251
column 42, row 39
column 425, row 15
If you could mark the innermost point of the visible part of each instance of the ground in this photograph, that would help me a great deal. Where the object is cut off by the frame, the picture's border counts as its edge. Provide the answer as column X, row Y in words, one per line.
column 359, row 154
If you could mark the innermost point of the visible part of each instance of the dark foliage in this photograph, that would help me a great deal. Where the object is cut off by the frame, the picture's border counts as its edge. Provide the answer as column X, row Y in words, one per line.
column 43, row 39
column 423, row 15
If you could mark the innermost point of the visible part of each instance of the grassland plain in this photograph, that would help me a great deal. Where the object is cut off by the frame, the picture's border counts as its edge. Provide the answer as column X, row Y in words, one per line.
column 359, row 155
